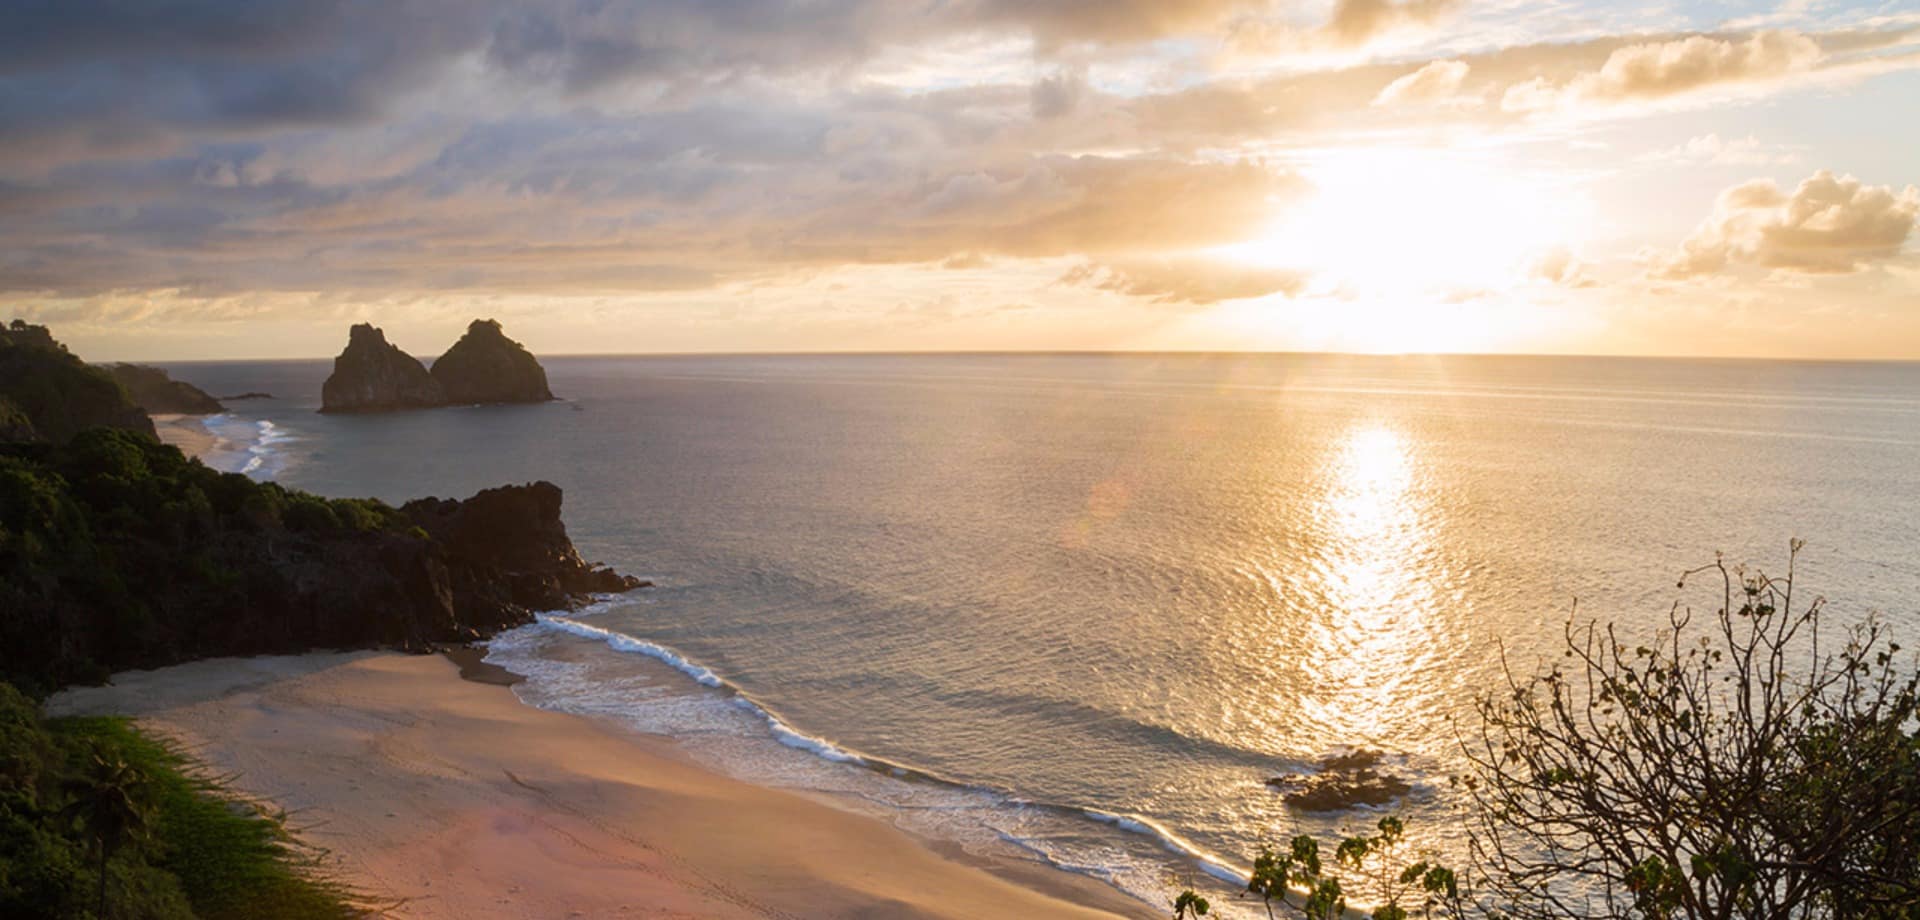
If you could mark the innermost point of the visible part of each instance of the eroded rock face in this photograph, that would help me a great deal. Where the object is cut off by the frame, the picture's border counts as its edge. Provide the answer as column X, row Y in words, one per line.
column 512, row 538
column 486, row 563
column 372, row 375
column 156, row 392
column 487, row 367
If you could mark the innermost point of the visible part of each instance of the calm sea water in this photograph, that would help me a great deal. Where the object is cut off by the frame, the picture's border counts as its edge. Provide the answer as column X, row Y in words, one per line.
column 1079, row 608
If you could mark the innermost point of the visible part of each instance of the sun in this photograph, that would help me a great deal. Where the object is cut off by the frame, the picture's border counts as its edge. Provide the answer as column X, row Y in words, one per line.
column 1408, row 222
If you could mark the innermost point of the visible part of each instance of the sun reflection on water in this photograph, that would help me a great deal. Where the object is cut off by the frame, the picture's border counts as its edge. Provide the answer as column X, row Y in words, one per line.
column 1374, row 634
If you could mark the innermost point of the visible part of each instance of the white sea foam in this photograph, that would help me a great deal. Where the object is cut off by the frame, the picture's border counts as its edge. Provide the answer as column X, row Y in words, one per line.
column 254, row 447
column 1210, row 864
column 621, row 642
column 794, row 738
column 726, row 727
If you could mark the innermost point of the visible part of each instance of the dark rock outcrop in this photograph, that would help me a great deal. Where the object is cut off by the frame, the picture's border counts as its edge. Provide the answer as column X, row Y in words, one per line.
column 462, row 570
column 1341, row 782
column 153, row 390
column 47, row 394
column 250, row 394
column 118, row 552
column 372, row 375
column 487, row 367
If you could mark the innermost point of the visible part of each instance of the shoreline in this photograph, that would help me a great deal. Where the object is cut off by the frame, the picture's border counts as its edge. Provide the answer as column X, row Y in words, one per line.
column 452, row 798
column 187, row 432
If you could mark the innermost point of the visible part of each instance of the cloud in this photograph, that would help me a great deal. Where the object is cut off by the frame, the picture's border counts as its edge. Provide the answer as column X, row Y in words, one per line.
column 1713, row 150
column 1058, row 94
column 1664, row 68
column 1654, row 70
column 1043, row 207
column 1357, row 22
column 1351, row 25
column 1828, row 225
column 582, row 147
column 1560, row 266
column 119, row 77
column 1192, row 281
column 1437, row 82
column 585, row 202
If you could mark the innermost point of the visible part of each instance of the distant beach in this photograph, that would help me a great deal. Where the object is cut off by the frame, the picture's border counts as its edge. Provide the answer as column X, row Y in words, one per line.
column 448, row 798
column 187, row 432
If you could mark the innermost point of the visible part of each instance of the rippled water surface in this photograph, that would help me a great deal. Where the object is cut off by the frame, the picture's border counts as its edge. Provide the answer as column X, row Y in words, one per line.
column 1076, row 608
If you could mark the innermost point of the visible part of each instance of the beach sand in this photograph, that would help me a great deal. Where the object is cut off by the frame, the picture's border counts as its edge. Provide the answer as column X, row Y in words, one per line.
column 185, row 432
column 449, row 798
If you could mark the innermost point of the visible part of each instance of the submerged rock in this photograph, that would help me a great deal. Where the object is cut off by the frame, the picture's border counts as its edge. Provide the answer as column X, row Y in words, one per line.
column 487, row 367
column 1341, row 782
column 372, row 375
column 153, row 390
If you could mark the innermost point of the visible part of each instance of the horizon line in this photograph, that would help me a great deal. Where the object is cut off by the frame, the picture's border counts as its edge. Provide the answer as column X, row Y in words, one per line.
column 1095, row 352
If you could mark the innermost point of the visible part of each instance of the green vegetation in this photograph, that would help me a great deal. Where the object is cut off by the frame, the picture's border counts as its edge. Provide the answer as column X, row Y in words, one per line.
column 1373, row 868
column 48, row 394
column 1737, row 766
column 100, row 821
column 117, row 551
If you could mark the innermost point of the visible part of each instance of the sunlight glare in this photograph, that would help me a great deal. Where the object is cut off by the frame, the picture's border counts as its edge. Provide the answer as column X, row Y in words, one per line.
column 1410, row 222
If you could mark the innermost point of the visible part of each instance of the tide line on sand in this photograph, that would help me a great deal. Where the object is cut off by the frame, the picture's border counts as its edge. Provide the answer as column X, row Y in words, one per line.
column 458, row 801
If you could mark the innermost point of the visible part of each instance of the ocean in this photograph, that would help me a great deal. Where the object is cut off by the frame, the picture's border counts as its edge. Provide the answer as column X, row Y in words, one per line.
column 1079, row 608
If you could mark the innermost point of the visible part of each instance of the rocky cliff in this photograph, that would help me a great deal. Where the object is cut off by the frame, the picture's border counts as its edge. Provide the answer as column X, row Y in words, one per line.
column 154, row 391
column 117, row 552
column 487, row 367
column 47, row 394
column 372, row 375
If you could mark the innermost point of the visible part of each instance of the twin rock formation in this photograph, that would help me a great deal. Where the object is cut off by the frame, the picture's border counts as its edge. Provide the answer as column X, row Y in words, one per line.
column 485, row 366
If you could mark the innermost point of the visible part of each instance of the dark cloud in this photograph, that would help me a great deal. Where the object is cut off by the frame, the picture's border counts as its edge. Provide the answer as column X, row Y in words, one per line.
column 114, row 79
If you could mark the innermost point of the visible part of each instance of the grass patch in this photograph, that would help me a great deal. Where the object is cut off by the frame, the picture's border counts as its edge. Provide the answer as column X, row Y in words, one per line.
column 232, row 860
column 199, row 851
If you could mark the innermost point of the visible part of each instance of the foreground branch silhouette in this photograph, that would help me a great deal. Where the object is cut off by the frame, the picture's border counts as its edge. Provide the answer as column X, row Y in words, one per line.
column 1742, row 766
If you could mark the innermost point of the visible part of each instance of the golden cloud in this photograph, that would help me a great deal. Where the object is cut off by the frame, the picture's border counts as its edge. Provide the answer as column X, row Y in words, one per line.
column 1437, row 82
column 1829, row 225
column 1191, row 280
column 1655, row 70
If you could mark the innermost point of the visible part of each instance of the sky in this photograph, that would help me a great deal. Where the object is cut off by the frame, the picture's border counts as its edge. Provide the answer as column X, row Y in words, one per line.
column 184, row 179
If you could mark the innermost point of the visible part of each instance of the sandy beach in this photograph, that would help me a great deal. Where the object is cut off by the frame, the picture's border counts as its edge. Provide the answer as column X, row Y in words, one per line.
column 449, row 798
column 186, row 432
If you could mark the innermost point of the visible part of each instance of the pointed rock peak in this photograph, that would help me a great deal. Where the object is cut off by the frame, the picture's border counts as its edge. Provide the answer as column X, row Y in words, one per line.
column 365, row 334
column 374, row 375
